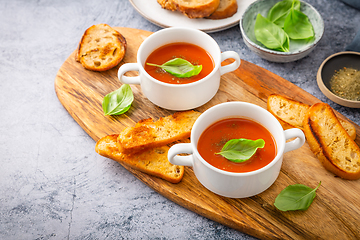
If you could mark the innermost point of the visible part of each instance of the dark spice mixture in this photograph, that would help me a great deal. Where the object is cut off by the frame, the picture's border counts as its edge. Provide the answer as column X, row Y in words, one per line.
column 346, row 83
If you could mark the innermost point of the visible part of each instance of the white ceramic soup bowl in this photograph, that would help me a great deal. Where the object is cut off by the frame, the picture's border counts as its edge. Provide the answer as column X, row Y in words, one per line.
column 229, row 184
column 179, row 96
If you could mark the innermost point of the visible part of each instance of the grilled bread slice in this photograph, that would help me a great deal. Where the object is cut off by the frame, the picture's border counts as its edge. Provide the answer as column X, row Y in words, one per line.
column 154, row 161
column 287, row 110
column 167, row 4
column 101, row 48
column 196, row 8
column 191, row 8
column 292, row 113
column 226, row 9
column 148, row 134
column 331, row 144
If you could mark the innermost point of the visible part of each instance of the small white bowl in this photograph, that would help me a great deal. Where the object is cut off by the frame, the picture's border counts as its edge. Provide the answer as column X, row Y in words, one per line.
column 231, row 184
column 297, row 51
column 179, row 97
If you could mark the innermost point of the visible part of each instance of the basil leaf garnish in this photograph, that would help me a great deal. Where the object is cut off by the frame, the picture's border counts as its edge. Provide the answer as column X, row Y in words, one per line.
column 179, row 68
column 118, row 101
column 271, row 35
column 295, row 197
column 240, row 150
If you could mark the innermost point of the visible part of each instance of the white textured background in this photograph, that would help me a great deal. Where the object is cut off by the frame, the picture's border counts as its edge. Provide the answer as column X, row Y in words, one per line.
column 52, row 183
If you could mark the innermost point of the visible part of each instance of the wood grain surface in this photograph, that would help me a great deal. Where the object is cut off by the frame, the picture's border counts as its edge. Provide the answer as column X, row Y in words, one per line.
column 335, row 212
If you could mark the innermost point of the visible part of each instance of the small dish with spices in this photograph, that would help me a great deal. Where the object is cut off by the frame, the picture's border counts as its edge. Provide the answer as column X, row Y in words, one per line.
column 338, row 78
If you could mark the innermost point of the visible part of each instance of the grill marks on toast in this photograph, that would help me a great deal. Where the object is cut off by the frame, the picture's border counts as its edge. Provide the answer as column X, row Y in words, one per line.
column 145, row 146
column 153, row 161
column 292, row 113
column 147, row 133
column 330, row 138
column 329, row 141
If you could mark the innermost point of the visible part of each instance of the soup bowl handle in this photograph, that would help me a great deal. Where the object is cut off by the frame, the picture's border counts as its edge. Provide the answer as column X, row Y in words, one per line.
column 181, row 160
column 232, row 66
column 126, row 68
column 297, row 142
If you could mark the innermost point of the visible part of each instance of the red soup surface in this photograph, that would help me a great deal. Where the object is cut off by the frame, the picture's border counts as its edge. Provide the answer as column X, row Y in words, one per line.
column 214, row 138
column 190, row 52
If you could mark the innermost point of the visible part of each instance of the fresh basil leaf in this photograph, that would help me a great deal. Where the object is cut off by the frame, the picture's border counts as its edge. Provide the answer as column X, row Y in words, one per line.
column 298, row 26
column 271, row 35
column 295, row 197
column 118, row 101
column 278, row 13
column 240, row 150
column 179, row 68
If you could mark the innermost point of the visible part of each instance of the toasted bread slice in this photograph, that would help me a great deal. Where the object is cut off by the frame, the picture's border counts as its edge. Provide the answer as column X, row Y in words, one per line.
column 287, row 110
column 101, row 48
column 154, row 161
column 349, row 128
column 292, row 113
column 196, row 8
column 167, row 4
column 331, row 144
column 149, row 134
column 226, row 8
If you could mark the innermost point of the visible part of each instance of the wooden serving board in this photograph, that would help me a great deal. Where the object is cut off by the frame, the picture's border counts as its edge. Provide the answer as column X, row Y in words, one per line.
column 335, row 212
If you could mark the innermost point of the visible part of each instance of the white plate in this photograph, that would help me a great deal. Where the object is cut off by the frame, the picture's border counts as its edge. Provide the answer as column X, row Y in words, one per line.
column 152, row 11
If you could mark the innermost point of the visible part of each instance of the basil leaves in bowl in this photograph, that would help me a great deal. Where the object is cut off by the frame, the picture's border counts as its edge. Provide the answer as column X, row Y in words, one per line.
column 281, row 30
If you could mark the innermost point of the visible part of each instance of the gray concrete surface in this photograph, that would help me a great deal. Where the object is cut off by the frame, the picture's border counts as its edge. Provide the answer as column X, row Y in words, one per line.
column 52, row 183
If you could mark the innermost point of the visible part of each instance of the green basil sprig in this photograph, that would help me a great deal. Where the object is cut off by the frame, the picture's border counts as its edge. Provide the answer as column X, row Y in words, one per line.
column 298, row 26
column 118, row 101
column 278, row 13
column 179, row 68
column 271, row 35
column 295, row 197
column 240, row 150
column 284, row 21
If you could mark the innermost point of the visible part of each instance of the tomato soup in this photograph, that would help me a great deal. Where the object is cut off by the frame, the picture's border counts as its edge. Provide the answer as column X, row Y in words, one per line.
column 190, row 52
column 214, row 138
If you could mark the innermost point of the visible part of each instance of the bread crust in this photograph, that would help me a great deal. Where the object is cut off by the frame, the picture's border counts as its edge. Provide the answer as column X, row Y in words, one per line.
column 287, row 110
column 210, row 9
column 291, row 113
column 149, row 134
column 153, row 161
column 167, row 4
column 226, row 9
column 196, row 8
column 330, row 142
column 101, row 48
